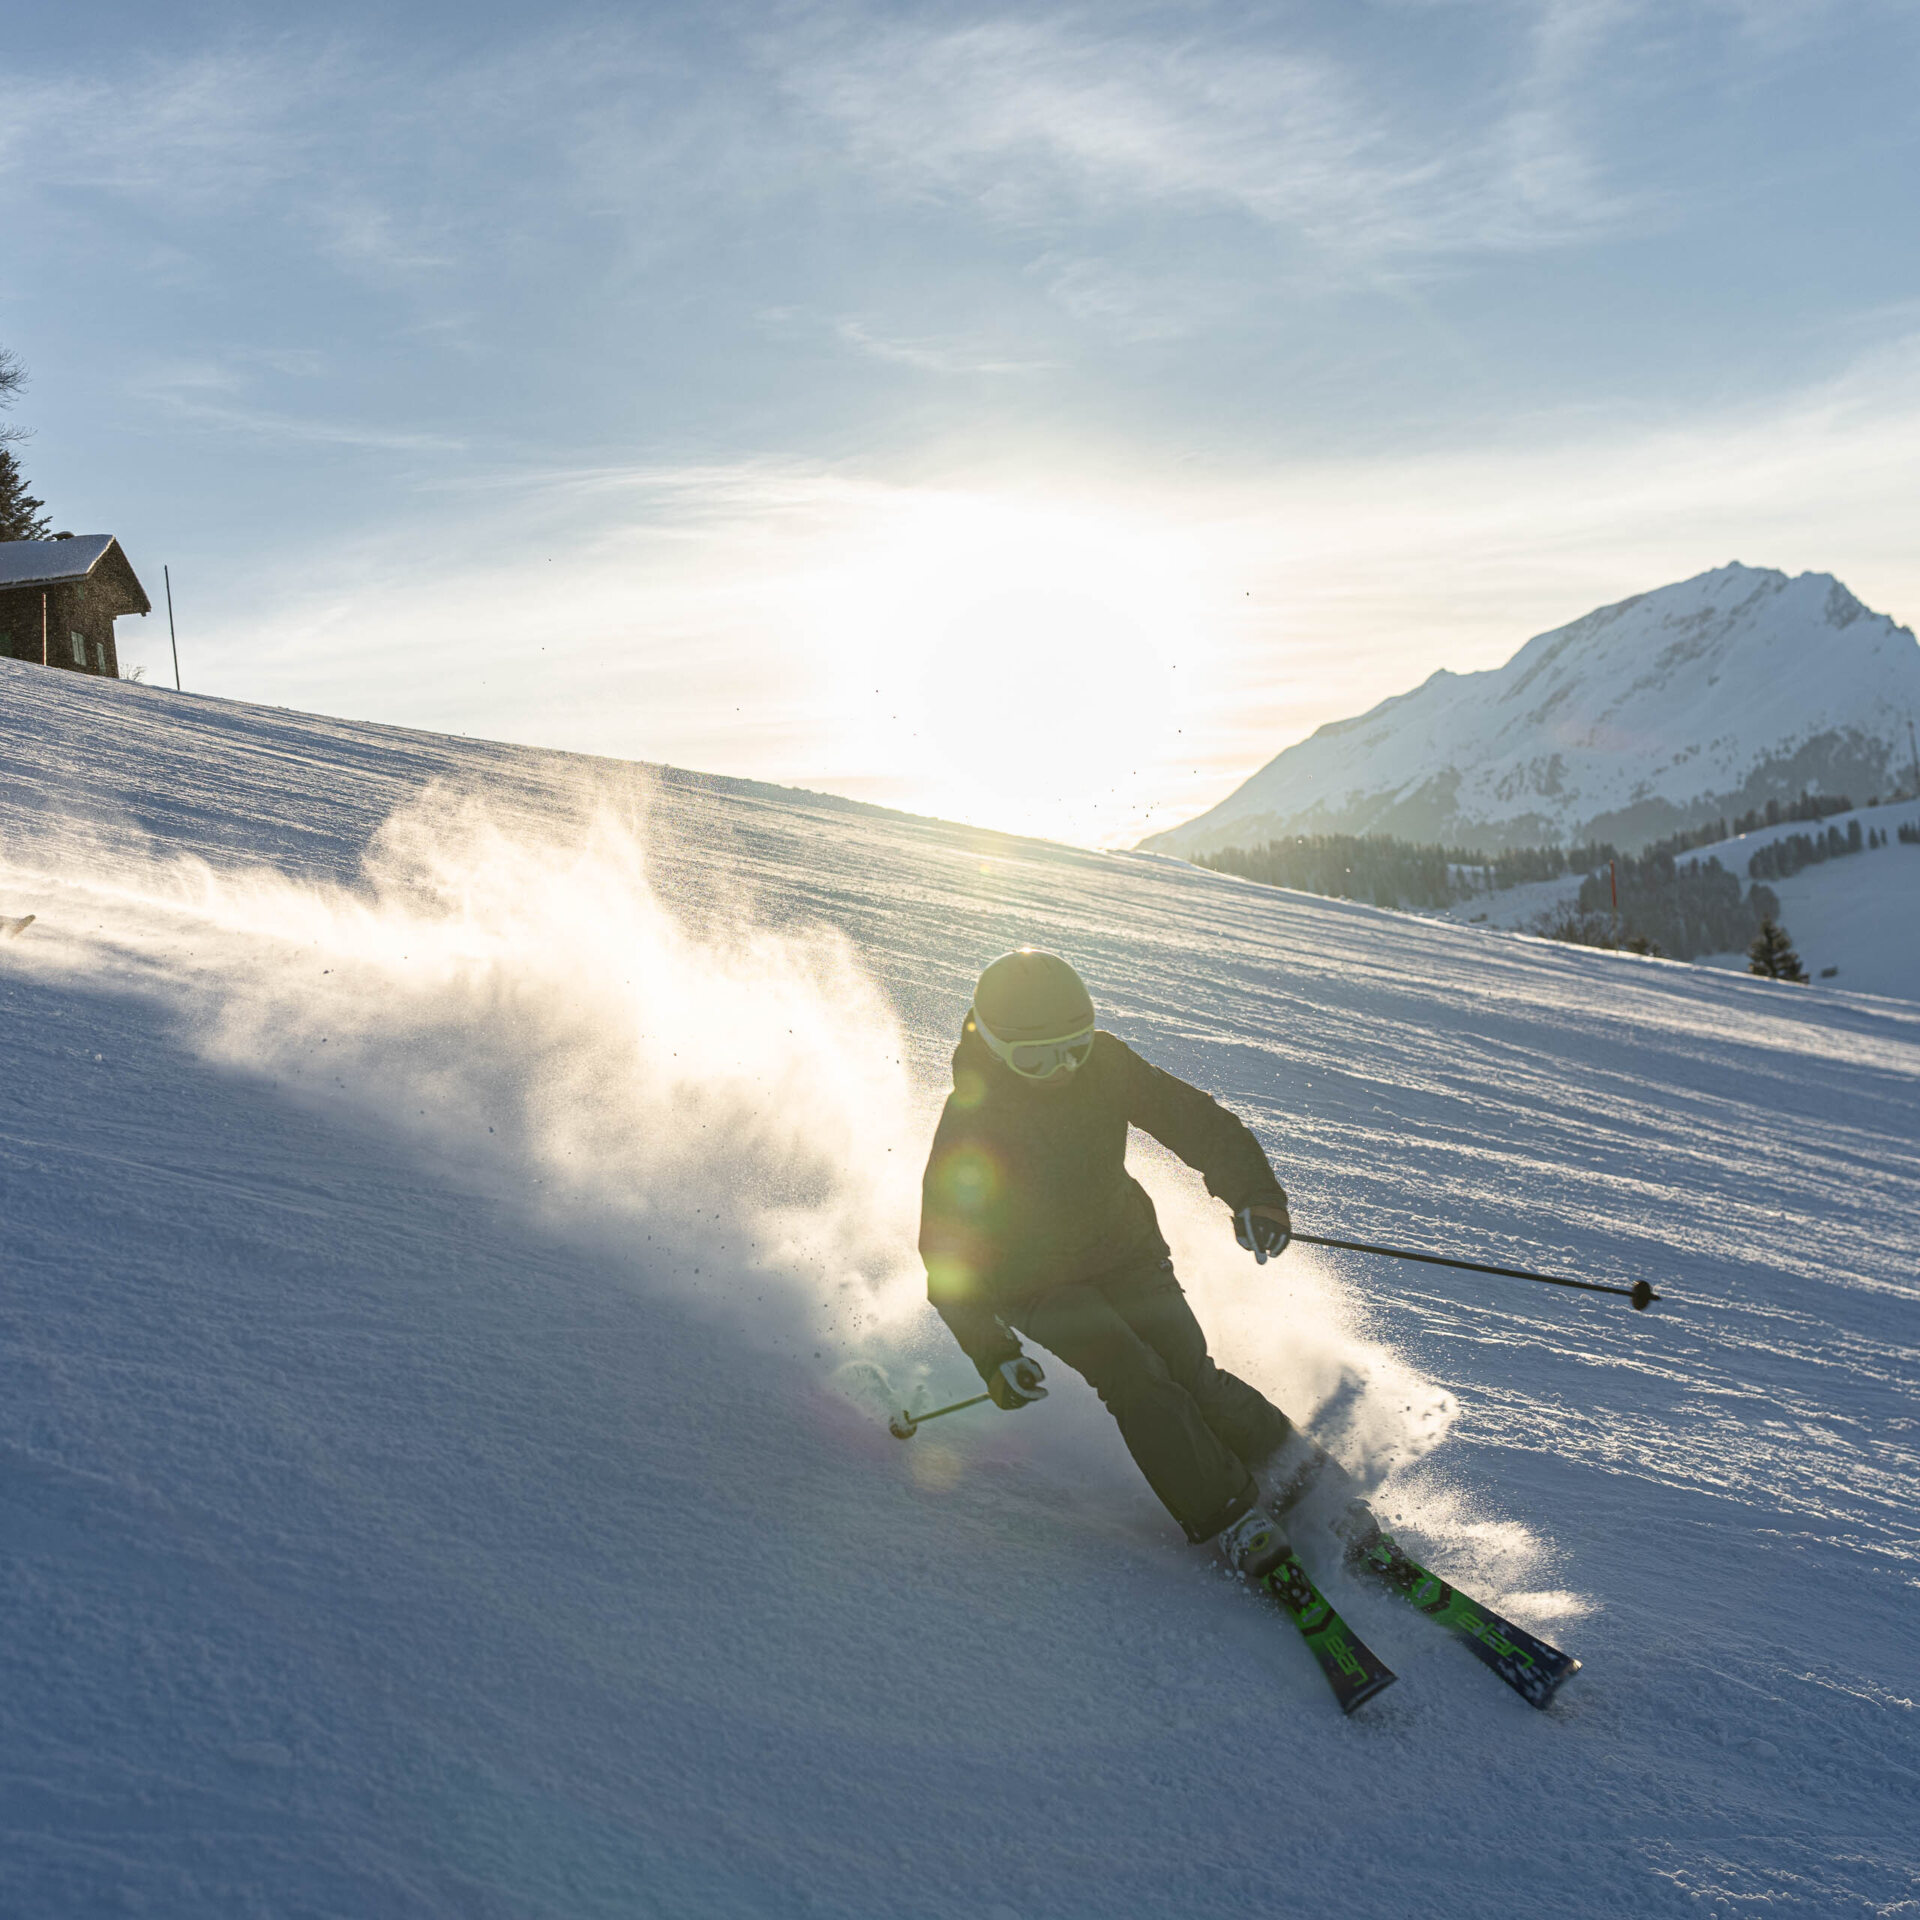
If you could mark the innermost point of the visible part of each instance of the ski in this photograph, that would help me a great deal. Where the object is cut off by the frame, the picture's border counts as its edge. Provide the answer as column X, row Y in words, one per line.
column 1532, row 1668
column 1354, row 1671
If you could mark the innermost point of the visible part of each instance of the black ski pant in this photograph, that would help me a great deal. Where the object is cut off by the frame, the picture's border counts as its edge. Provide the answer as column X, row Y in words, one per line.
column 1195, row 1431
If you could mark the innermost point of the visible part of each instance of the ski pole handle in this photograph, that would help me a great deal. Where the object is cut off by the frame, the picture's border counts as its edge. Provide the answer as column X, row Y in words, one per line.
column 903, row 1423
column 1640, row 1293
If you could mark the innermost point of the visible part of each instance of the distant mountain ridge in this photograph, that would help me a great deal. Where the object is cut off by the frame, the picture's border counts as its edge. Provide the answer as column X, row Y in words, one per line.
column 1660, row 712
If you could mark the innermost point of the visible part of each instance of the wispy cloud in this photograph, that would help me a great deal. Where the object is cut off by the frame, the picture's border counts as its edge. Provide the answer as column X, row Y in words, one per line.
column 1132, row 304
column 799, row 622
column 1783, row 26
column 211, row 394
column 1032, row 118
column 932, row 356
column 198, row 132
column 208, row 147
column 366, row 237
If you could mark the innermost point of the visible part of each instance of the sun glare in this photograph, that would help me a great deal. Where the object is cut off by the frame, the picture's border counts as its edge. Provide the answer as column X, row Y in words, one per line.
column 1024, row 656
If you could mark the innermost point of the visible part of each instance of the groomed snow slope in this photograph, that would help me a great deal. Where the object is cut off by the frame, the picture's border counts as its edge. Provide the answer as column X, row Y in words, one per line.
column 442, row 1474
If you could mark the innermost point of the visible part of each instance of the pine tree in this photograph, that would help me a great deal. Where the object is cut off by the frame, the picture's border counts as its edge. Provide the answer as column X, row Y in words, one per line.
column 20, row 515
column 1772, row 955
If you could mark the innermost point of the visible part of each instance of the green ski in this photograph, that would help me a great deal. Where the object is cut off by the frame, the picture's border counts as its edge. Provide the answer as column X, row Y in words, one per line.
column 1532, row 1668
column 1354, row 1671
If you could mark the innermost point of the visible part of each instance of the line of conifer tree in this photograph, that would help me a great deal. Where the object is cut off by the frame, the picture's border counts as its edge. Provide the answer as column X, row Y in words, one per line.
column 1684, row 908
column 1786, row 856
column 1373, row 867
column 1390, row 872
column 1665, row 905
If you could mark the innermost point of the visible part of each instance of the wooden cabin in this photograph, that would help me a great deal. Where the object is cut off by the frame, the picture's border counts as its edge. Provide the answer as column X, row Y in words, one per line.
column 59, row 599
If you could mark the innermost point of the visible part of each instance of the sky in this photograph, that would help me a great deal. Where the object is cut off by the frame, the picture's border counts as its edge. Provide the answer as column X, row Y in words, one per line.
column 1034, row 416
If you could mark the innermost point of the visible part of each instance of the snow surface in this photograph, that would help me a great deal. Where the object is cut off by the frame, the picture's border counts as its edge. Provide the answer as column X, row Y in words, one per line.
column 459, row 1208
column 1702, row 698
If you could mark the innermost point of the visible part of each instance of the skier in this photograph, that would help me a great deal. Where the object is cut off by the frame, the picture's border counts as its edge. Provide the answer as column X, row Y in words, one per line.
column 1031, row 1224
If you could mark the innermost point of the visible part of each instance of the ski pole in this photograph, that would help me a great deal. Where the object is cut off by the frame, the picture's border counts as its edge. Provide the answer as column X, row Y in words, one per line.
column 1640, row 1293
column 903, row 1423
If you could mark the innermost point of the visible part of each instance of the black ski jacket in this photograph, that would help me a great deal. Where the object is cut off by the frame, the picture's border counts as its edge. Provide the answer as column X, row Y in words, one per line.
column 1027, row 1187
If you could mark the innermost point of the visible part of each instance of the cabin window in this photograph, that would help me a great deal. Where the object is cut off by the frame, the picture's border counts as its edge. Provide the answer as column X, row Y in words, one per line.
column 79, row 648
column 99, row 656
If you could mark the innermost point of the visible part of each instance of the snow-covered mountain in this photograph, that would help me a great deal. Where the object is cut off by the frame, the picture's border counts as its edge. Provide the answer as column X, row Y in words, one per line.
column 1667, row 710
column 459, row 1209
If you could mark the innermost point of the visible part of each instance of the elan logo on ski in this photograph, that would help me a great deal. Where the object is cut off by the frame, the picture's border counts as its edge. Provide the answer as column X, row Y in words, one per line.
column 1532, row 1668
column 1354, row 1671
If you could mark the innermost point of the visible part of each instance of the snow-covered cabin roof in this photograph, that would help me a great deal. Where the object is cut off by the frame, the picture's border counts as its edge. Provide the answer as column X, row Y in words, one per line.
column 79, row 557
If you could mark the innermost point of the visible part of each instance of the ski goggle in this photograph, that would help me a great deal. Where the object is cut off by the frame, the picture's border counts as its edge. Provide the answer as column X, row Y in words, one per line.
column 1039, row 1059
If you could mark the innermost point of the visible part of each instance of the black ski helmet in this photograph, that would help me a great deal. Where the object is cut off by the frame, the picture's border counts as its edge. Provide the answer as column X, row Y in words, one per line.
column 1029, row 996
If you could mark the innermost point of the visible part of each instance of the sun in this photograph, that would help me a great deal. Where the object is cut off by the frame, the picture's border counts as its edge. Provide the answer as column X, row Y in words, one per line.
column 1028, row 655
column 1041, row 688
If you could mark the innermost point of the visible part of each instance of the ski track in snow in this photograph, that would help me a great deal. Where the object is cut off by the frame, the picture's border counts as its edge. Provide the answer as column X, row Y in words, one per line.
column 410, row 1518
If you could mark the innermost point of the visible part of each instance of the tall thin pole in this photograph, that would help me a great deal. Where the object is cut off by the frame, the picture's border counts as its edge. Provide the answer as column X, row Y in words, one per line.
column 43, row 626
column 171, row 636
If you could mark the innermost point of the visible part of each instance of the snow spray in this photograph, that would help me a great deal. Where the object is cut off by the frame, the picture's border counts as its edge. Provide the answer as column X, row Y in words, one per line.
column 574, row 1012
column 724, row 1101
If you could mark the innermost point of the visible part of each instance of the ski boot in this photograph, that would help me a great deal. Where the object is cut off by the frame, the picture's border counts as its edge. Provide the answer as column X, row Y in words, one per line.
column 1308, row 1487
column 1255, row 1544
column 1360, row 1534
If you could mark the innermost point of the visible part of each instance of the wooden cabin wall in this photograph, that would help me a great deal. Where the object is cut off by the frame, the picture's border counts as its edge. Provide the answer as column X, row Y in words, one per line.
column 77, row 609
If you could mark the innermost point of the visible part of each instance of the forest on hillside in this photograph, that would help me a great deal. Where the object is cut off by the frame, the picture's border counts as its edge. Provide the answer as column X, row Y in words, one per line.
column 1666, row 905
column 1679, row 909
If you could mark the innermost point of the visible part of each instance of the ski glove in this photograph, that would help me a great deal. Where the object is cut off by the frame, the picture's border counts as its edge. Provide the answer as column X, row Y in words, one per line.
column 1014, row 1384
column 1264, row 1230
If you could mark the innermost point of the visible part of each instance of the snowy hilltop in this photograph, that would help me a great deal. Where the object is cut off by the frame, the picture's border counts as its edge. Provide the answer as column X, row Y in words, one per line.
column 1662, row 712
